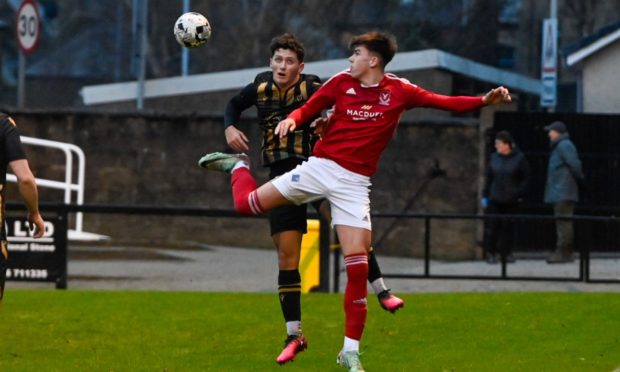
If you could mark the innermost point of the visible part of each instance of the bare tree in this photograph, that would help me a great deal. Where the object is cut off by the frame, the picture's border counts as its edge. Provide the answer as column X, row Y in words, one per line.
column 582, row 14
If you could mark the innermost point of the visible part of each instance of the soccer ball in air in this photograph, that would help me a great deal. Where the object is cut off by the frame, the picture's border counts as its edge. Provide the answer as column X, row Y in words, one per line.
column 192, row 30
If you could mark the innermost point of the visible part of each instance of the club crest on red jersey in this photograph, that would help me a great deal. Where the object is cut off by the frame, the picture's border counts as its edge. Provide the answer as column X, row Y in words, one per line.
column 384, row 97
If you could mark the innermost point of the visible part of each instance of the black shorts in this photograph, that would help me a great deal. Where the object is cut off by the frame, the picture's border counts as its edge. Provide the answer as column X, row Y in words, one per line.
column 288, row 217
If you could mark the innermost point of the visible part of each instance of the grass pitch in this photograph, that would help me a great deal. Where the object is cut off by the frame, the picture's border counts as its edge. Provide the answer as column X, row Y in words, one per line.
column 46, row 330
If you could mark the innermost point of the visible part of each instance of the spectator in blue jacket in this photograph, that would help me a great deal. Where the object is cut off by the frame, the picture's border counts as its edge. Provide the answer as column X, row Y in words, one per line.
column 506, row 181
column 564, row 174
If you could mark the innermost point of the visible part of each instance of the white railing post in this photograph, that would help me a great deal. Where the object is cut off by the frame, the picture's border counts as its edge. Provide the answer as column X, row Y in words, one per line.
column 68, row 186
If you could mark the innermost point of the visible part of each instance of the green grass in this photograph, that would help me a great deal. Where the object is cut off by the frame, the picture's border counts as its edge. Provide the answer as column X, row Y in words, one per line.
column 45, row 330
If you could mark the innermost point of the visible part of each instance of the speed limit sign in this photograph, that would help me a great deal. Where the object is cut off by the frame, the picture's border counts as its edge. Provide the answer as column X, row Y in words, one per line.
column 28, row 26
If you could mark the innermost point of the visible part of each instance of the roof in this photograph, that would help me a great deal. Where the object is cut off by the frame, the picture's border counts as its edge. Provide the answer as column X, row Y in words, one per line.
column 227, row 80
column 592, row 43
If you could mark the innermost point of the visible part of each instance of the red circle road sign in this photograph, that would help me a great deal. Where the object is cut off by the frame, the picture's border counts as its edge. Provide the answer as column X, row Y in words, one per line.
column 28, row 26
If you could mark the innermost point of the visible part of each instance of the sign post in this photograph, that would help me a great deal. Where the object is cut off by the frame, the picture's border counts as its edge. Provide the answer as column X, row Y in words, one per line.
column 549, row 68
column 27, row 31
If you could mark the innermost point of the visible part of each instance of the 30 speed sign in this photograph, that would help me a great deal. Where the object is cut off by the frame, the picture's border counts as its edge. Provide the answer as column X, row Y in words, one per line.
column 27, row 26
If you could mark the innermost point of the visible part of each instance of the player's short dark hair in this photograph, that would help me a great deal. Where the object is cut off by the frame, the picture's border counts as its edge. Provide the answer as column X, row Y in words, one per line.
column 288, row 41
column 380, row 43
column 506, row 137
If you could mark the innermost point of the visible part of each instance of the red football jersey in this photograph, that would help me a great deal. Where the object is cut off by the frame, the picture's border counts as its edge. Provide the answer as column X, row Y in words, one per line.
column 365, row 117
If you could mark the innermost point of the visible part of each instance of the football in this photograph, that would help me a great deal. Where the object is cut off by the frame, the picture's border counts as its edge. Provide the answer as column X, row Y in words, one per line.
column 192, row 30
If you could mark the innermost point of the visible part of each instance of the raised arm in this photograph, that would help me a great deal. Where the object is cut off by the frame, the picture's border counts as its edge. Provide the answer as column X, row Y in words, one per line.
column 461, row 103
column 497, row 96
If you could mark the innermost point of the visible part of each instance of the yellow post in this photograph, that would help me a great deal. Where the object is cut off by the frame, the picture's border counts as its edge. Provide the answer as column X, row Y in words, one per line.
column 309, row 262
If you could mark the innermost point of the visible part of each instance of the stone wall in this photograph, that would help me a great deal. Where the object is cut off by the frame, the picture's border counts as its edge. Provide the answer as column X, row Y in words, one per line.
column 151, row 159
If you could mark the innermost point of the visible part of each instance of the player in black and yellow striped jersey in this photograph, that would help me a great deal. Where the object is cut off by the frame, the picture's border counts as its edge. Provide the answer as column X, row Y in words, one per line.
column 276, row 94
column 274, row 103
column 12, row 155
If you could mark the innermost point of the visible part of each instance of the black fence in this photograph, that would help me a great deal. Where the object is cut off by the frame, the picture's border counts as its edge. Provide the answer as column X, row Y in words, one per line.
column 61, row 212
column 583, row 227
column 597, row 139
column 606, row 248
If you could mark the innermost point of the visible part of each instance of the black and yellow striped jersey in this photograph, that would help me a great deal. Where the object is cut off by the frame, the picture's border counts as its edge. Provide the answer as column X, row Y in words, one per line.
column 274, row 105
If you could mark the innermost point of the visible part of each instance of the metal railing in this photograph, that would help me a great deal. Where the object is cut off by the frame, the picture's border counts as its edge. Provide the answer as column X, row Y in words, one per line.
column 327, row 249
column 62, row 212
column 584, row 251
column 68, row 186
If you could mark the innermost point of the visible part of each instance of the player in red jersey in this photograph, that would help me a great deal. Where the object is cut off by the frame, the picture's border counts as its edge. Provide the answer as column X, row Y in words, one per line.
column 368, row 104
column 275, row 94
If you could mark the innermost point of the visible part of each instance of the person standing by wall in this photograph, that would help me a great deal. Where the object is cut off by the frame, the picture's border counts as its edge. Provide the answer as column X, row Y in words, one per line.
column 506, row 181
column 12, row 156
column 564, row 174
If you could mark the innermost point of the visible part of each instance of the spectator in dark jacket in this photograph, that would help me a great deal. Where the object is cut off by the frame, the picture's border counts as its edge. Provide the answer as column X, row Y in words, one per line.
column 506, row 181
column 564, row 174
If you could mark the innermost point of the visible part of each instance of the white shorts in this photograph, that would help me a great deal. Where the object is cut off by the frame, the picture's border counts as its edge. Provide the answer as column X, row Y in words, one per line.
column 318, row 178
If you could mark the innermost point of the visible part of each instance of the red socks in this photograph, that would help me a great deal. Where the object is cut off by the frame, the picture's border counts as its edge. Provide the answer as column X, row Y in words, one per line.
column 244, row 192
column 355, row 308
